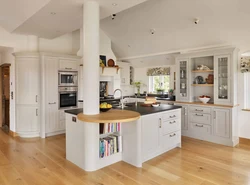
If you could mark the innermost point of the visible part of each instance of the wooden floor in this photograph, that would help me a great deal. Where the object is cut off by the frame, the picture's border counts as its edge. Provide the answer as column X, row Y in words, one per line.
column 42, row 161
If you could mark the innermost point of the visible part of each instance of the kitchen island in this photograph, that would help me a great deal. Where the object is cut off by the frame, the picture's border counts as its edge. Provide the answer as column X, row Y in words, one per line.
column 156, row 130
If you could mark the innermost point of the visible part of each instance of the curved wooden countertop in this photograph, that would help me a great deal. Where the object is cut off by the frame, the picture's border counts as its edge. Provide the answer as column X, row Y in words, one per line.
column 113, row 115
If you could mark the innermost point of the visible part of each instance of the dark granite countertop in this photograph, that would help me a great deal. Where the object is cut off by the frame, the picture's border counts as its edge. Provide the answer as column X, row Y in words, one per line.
column 74, row 111
column 149, row 110
column 140, row 109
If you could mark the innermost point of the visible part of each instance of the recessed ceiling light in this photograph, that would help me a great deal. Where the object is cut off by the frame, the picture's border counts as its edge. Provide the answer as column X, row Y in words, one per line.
column 129, row 46
column 114, row 4
column 52, row 13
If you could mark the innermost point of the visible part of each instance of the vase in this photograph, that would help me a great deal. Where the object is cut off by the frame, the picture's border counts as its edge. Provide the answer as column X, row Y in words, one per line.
column 138, row 91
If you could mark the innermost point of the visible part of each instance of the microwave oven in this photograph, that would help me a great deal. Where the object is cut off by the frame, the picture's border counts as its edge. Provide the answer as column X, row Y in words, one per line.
column 67, row 78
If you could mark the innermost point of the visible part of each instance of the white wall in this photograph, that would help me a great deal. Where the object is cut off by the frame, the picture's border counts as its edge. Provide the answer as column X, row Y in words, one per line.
column 141, row 75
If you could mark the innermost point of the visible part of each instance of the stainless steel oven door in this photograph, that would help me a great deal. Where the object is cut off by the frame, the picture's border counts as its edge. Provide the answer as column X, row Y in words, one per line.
column 67, row 78
column 67, row 99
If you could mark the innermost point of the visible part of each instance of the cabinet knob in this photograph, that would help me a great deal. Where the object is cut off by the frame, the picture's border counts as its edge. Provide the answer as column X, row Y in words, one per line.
column 198, row 125
column 172, row 135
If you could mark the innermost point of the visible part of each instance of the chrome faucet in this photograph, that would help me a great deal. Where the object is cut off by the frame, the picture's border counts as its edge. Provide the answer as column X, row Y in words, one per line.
column 121, row 101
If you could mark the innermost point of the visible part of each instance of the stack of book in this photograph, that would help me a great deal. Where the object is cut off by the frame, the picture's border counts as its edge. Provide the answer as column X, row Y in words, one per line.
column 110, row 145
column 109, row 127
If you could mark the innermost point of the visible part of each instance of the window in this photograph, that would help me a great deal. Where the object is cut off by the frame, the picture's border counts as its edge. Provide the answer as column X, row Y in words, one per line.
column 157, row 83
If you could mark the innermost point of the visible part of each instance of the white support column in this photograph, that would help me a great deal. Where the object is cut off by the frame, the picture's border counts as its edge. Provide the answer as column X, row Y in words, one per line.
column 91, row 24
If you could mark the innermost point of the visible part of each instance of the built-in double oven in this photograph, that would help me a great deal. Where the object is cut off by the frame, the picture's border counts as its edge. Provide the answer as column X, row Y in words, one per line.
column 67, row 89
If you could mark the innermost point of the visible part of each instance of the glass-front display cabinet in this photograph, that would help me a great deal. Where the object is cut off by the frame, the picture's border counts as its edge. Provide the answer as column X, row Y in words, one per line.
column 222, row 79
column 182, row 80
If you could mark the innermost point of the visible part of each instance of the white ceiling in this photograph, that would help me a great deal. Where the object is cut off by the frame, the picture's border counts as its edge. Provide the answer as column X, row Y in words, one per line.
column 33, row 17
column 14, row 12
column 222, row 22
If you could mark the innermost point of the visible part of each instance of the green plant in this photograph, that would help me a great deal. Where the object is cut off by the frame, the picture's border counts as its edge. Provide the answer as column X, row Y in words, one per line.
column 171, row 91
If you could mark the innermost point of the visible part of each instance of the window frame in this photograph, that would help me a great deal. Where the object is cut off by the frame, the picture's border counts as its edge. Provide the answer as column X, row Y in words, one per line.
column 151, row 82
column 247, row 90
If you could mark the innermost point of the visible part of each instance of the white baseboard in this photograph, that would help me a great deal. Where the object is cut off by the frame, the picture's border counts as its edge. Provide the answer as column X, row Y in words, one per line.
column 54, row 133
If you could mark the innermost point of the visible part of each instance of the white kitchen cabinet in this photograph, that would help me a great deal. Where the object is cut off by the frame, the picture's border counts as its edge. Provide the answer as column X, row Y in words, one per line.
column 158, row 130
column 80, row 83
column 66, row 64
column 184, row 117
column 27, row 121
column 222, row 122
column 52, row 123
column 27, row 80
column 27, row 94
column 150, row 135
column 222, row 79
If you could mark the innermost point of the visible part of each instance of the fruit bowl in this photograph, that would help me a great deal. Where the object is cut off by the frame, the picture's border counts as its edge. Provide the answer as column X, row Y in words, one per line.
column 204, row 99
column 105, row 109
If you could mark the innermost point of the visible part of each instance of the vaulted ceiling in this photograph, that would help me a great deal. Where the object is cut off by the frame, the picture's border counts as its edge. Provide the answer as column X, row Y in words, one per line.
column 52, row 18
column 222, row 22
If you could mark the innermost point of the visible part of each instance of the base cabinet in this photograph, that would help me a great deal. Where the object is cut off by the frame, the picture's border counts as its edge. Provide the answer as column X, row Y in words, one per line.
column 28, row 121
column 210, row 123
column 222, row 122
column 160, row 133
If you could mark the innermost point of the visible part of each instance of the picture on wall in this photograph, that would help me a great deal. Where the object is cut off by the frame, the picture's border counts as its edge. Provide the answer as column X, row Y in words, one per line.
column 103, row 60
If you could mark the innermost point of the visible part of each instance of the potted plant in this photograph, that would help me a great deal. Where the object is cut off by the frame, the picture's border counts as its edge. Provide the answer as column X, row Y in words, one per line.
column 170, row 93
column 138, row 86
column 160, row 91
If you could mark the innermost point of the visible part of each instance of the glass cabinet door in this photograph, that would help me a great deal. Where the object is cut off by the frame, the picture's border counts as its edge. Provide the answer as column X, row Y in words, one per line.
column 183, row 78
column 222, row 64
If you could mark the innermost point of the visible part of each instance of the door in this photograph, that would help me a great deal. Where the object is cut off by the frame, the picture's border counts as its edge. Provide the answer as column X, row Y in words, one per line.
column 182, row 89
column 222, row 122
column 28, row 119
column 27, row 81
column 150, row 135
column 5, row 96
column 222, row 79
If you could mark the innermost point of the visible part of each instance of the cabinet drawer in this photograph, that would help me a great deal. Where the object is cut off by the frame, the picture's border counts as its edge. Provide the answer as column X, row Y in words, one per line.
column 206, row 110
column 62, row 115
column 171, row 139
column 200, row 118
column 200, row 128
column 171, row 115
column 169, row 126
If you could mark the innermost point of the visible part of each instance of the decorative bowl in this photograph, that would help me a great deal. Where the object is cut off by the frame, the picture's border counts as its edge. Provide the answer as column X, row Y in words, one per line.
column 105, row 109
column 204, row 100
column 155, row 105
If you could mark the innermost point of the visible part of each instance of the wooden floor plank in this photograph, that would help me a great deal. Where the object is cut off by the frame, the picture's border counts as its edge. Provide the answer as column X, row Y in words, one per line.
column 42, row 161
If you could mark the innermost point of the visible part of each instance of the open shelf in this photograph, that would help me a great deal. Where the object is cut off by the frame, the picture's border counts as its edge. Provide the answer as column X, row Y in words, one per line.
column 202, row 71
column 117, row 69
column 203, row 85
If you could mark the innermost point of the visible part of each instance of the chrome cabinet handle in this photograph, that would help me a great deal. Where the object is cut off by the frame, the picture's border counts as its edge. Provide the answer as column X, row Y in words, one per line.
column 67, row 68
column 172, row 135
column 172, row 116
column 198, row 125
column 159, row 122
column 36, row 98
column 36, row 112
column 199, row 114
column 52, row 103
column 172, row 122
column 214, row 115
column 199, row 110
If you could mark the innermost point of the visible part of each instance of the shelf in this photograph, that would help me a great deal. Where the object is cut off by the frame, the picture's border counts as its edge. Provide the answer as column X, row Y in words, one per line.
column 203, row 85
column 117, row 69
column 202, row 71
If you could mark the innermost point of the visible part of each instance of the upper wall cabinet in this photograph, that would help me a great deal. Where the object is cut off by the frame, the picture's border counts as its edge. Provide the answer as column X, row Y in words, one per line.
column 182, row 90
column 65, row 64
column 212, row 73
column 222, row 73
